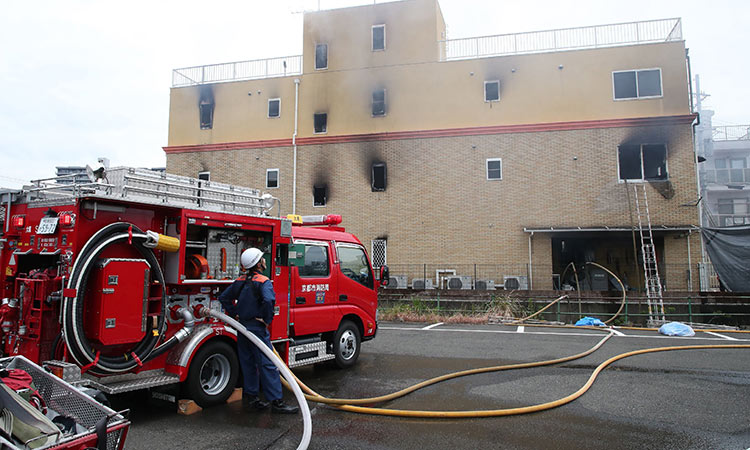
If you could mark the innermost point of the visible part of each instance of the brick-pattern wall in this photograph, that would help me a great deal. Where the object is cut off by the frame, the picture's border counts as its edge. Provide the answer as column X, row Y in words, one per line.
column 439, row 206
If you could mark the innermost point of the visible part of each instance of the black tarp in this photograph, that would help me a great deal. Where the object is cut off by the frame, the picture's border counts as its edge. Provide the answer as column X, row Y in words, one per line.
column 729, row 250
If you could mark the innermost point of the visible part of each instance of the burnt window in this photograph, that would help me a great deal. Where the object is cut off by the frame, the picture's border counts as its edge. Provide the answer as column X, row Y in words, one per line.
column 491, row 91
column 274, row 107
column 272, row 178
column 206, row 112
column 320, row 122
column 320, row 195
column 378, row 37
column 639, row 162
column 378, row 102
column 205, row 175
column 378, row 177
column 494, row 169
column 637, row 84
column 321, row 56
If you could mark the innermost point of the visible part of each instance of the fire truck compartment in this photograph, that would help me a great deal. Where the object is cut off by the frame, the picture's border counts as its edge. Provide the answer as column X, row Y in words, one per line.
column 117, row 301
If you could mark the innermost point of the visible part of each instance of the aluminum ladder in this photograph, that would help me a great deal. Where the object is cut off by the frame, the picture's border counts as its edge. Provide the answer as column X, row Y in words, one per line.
column 650, row 269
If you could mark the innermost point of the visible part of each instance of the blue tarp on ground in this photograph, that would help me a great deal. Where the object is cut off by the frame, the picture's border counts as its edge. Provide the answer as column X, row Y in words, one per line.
column 590, row 322
column 676, row 329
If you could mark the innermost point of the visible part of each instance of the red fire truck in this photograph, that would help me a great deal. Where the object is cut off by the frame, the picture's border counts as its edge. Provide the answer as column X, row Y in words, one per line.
column 111, row 274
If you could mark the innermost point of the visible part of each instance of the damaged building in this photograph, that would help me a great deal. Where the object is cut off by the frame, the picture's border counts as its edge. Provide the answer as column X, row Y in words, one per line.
column 496, row 158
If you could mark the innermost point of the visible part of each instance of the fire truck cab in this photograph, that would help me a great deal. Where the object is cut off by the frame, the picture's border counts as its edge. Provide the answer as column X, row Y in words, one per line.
column 110, row 277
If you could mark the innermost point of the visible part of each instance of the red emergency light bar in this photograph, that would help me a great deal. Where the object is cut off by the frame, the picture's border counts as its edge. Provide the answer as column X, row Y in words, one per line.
column 328, row 219
column 18, row 221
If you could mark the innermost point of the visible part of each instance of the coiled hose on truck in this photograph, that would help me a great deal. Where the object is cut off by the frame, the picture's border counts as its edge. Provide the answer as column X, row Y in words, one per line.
column 79, row 346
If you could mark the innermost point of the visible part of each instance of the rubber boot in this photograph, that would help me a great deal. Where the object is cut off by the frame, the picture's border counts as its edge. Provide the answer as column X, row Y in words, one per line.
column 254, row 402
column 278, row 406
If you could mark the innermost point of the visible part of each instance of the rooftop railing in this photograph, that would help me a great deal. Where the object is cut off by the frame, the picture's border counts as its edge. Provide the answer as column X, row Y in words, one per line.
column 731, row 133
column 613, row 35
column 236, row 71
column 563, row 39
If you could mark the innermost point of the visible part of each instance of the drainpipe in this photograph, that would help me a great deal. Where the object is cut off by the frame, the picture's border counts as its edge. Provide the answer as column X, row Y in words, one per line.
column 690, row 264
column 531, row 277
column 294, row 144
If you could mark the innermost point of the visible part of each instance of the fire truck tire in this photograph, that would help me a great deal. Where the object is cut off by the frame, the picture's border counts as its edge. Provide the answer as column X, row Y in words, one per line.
column 346, row 343
column 213, row 374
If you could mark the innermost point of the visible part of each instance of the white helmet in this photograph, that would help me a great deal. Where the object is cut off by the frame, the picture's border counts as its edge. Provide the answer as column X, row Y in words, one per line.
column 250, row 258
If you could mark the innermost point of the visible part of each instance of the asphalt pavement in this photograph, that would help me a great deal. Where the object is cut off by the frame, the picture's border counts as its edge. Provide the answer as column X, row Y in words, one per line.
column 688, row 399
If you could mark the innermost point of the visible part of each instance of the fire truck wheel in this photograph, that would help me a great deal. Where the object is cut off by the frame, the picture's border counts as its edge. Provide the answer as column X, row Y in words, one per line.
column 213, row 374
column 346, row 344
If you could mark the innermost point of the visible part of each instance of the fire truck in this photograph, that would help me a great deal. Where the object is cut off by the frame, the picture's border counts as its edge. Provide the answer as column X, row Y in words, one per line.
column 111, row 274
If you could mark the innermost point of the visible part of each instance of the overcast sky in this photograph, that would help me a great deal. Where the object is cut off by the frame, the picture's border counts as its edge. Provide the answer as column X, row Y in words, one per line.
column 84, row 78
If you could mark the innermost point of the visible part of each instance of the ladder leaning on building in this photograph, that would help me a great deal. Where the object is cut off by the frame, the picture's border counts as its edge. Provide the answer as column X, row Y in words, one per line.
column 648, row 251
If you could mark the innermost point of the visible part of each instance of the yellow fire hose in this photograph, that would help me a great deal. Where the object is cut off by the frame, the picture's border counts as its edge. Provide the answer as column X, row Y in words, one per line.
column 347, row 404
column 350, row 404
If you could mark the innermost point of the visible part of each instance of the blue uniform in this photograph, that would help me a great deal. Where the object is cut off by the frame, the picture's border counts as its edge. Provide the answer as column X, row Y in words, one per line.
column 252, row 301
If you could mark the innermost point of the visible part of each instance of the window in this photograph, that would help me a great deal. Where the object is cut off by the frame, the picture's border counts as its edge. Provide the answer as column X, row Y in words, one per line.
column 320, row 195
column 321, row 56
column 378, row 177
column 205, row 175
column 320, row 122
column 379, row 252
column 378, row 102
column 642, row 162
column 491, row 91
column 206, row 112
column 353, row 263
column 378, row 37
column 274, row 107
column 272, row 178
column 637, row 84
column 730, row 170
column 316, row 261
column 494, row 169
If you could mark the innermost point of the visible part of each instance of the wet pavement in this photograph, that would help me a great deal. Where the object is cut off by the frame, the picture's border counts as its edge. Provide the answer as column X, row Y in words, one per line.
column 692, row 399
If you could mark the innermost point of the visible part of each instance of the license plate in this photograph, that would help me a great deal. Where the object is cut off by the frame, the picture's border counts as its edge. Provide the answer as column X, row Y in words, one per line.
column 47, row 225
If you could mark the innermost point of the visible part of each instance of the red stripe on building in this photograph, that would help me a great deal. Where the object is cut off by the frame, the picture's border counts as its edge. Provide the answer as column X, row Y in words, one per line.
column 448, row 132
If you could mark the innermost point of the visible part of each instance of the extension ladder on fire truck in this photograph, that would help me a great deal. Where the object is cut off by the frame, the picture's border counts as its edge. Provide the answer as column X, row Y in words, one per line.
column 650, row 269
column 151, row 187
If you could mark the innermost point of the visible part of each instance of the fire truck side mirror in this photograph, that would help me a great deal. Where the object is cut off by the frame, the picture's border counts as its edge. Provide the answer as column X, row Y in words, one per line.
column 384, row 276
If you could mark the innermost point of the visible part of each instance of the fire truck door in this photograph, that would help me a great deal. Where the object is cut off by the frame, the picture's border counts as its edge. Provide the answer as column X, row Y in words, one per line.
column 314, row 291
column 356, row 281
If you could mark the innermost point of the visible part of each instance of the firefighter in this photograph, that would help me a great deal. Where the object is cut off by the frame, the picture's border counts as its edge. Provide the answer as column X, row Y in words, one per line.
column 251, row 300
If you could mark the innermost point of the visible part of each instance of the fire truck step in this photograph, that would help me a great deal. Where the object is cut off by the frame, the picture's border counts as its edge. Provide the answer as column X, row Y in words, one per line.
column 311, row 353
column 130, row 382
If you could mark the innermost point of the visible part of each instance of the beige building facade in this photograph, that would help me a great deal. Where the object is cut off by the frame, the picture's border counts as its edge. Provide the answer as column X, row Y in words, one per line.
column 511, row 164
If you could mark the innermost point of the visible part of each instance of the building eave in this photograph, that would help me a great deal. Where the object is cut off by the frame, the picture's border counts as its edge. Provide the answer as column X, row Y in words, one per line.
column 683, row 119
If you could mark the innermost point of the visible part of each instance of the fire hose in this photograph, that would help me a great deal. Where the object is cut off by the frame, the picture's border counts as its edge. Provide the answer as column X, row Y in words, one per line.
column 290, row 380
column 80, row 348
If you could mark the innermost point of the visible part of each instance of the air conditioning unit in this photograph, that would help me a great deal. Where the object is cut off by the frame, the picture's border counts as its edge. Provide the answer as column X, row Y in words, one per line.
column 516, row 283
column 422, row 283
column 397, row 282
column 485, row 285
column 459, row 282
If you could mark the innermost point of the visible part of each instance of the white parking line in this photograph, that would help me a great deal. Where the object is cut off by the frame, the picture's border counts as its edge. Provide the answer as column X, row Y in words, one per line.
column 722, row 336
column 520, row 329
column 429, row 327
column 552, row 333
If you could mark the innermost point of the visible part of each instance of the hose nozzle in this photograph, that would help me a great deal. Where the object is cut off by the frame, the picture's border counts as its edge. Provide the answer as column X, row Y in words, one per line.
column 161, row 242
